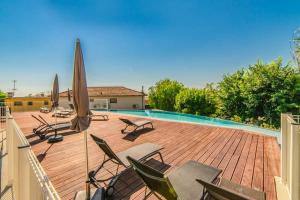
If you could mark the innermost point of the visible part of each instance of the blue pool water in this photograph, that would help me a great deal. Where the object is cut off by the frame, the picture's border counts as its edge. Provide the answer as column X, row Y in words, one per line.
column 173, row 116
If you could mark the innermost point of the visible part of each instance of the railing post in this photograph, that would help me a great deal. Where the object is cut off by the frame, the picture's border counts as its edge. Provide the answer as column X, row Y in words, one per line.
column 284, row 152
column 6, row 117
column 295, row 162
column 10, row 149
column 24, row 172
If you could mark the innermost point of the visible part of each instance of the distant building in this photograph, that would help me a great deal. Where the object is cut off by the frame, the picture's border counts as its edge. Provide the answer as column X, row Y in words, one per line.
column 116, row 97
column 100, row 98
column 10, row 94
column 27, row 103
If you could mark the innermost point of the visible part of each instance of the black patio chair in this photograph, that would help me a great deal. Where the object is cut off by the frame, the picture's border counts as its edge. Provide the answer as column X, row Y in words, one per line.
column 229, row 190
column 135, row 124
column 178, row 184
column 44, row 128
column 140, row 152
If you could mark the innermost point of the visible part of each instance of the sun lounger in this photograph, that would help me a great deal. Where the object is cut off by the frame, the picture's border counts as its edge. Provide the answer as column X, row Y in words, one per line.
column 45, row 110
column 42, row 123
column 140, row 152
column 178, row 184
column 229, row 190
column 62, row 113
column 45, row 127
column 135, row 124
column 99, row 117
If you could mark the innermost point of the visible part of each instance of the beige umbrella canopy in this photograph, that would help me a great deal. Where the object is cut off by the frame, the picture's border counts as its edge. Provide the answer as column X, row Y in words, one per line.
column 69, row 95
column 80, row 94
column 81, row 121
column 55, row 99
column 55, row 92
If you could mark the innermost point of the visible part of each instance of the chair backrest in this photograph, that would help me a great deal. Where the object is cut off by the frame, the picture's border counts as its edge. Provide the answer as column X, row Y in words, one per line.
column 43, row 123
column 154, row 179
column 106, row 149
column 220, row 193
column 127, row 121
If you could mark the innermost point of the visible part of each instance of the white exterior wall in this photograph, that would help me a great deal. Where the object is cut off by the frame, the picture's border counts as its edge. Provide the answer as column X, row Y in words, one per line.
column 123, row 102
column 63, row 102
column 127, row 103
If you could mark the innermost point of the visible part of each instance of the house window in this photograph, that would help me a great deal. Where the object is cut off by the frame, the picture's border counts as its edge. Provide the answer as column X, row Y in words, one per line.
column 29, row 103
column 113, row 100
column 91, row 100
column 46, row 103
column 18, row 103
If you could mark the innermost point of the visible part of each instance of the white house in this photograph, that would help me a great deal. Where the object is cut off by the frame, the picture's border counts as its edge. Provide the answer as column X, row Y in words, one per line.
column 115, row 97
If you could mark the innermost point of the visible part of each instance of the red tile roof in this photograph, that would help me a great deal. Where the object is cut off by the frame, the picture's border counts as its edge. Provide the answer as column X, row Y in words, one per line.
column 107, row 91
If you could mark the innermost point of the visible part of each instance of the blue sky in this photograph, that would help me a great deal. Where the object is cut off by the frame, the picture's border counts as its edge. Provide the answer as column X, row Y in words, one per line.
column 139, row 42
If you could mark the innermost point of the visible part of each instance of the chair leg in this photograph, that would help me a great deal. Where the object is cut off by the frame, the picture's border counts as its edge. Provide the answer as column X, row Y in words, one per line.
column 113, row 181
column 123, row 130
column 157, row 196
column 149, row 194
column 135, row 129
column 162, row 160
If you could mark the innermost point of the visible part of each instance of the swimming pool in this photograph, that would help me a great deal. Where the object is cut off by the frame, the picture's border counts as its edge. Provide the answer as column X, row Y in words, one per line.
column 173, row 116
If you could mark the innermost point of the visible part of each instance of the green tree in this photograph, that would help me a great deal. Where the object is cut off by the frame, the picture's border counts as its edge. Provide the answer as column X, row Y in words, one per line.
column 231, row 98
column 2, row 97
column 196, row 101
column 270, row 90
column 162, row 95
column 260, row 93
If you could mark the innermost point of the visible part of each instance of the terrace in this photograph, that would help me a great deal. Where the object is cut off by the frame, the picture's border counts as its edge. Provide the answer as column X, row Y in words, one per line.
column 245, row 157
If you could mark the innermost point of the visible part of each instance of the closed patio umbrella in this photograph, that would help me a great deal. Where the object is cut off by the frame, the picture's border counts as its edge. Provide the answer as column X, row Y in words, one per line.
column 55, row 92
column 81, row 121
column 51, row 99
column 69, row 95
column 55, row 99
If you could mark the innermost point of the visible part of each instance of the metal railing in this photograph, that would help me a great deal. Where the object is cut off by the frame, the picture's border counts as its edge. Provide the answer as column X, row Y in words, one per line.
column 25, row 174
column 288, row 185
column 2, row 117
column 296, row 118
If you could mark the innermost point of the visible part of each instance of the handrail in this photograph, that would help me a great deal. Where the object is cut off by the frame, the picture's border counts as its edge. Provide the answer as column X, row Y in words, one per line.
column 39, row 186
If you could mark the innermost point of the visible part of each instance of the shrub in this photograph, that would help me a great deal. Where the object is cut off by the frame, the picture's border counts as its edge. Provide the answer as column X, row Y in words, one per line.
column 263, row 90
column 195, row 101
column 163, row 94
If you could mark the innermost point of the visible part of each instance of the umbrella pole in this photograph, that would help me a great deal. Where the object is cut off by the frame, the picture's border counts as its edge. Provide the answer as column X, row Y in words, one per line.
column 55, row 120
column 87, row 186
column 55, row 138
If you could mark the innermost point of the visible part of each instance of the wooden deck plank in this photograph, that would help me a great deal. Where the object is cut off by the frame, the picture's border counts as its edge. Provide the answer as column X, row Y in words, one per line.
column 243, row 156
column 249, row 168
column 218, row 148
column 238, row 172
column 271, row 170
column 258, row 178
column 268, row 179
column 225, row 135
column 235, row 158
column 218, row 159
column 223, row 164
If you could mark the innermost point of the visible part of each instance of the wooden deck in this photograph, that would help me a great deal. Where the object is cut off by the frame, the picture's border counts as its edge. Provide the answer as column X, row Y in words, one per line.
column 246, row 158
